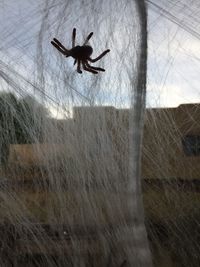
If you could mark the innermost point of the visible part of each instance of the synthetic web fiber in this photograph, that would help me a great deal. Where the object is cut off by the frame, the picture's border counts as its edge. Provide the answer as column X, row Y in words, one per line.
column 70, row 143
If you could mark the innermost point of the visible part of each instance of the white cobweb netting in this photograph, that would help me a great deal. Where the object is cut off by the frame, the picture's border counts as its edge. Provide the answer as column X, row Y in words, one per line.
column 173, row 53
column 68, row 195
column 171, row 134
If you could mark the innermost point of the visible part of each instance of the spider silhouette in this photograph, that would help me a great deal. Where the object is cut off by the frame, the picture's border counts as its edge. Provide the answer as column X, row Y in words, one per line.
column 81, row 54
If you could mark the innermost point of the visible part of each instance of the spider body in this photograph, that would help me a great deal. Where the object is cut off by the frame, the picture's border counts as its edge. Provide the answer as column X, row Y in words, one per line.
column 81, row 54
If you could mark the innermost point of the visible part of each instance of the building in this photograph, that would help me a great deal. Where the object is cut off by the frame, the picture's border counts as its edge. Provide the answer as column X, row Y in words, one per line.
column 91, row 152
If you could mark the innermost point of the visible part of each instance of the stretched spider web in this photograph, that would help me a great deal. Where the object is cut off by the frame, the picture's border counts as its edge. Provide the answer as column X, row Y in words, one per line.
column 75, row 198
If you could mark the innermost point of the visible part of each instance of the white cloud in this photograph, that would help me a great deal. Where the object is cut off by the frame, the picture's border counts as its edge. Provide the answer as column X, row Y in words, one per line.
column 174, row 66
column 60, row 112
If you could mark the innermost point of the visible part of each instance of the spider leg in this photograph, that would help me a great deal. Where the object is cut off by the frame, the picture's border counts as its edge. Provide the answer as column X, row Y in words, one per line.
column 88, row 69
column 59, row 46
column 75, row 62
column 73, row 37
column 92, row 67
column 100, row 56
column 79, row 67
column 88, row 38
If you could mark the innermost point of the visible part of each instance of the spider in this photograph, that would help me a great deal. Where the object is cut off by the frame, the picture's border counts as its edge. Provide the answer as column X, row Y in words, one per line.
column 81, row 54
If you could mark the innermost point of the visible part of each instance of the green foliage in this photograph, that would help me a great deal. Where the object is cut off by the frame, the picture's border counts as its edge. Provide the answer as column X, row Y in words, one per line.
column 21, row 122
column 8, row 103
column 30, row 121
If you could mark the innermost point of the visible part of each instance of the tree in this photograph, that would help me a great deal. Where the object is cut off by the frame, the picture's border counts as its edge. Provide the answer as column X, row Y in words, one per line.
column 8, row 105
column 21, row 122
column 30, row 120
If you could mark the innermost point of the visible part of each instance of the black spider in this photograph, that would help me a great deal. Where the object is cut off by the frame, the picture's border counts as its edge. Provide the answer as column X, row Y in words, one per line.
column 81, row 54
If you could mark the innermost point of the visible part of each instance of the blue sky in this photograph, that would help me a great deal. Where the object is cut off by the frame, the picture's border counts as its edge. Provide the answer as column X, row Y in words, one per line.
column 174, row 63
column 173, row 59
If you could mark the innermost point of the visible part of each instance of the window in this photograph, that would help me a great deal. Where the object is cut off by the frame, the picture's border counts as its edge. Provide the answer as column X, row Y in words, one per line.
column 191, row 145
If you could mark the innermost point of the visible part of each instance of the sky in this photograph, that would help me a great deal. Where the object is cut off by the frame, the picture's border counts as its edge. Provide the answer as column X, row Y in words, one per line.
column 174, row 62
column 173, row 56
